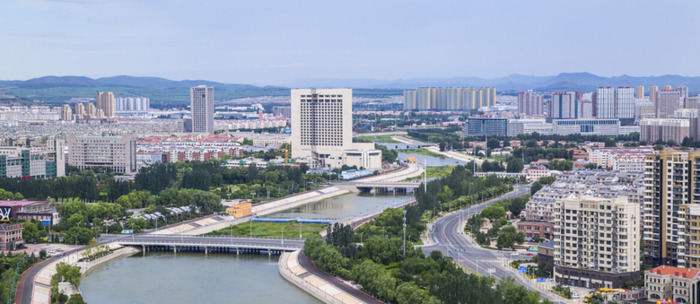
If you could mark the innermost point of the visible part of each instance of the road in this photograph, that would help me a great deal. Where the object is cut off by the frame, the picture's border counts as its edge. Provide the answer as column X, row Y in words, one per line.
column 450, row 239
column 189, row 240
column 306, row 263
column 26, row 287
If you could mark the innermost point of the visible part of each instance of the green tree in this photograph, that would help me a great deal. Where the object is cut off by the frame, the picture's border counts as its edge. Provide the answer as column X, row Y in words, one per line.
column 509, row 236
column 493, row 212
column 493, row 143
column 515, row 165
column 30, row 232
column 76, row 298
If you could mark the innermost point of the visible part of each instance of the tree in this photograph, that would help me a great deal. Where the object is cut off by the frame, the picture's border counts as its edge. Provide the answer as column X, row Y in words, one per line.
column 509, row 236
column 442, row 145
column 408, row 293
column 493, row 212
column 76, row 298
column 30, row 232
column 515, row 165
column 493, row 143
column 610, row 143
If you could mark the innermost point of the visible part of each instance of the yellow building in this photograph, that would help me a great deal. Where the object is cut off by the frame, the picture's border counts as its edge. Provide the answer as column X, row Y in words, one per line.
column 240, row 210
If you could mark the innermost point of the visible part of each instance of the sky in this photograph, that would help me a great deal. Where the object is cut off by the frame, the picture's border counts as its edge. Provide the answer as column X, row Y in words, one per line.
column 274, row 42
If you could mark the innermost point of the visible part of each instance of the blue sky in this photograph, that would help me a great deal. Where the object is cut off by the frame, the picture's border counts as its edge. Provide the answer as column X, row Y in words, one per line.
column 275, row 42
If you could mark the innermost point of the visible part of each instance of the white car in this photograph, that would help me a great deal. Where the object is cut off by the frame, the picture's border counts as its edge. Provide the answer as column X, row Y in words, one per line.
column 515, row 253
column 575, row 295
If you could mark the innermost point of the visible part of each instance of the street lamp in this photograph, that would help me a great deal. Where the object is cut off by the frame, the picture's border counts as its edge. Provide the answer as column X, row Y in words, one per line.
column 283, row 236
column 299, row 229
column 76, row 239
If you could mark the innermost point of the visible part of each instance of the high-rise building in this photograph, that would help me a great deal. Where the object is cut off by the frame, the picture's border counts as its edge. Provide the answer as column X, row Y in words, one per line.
column 668, row 101
column 665, row 129
column 669, row 180
column 683, row 89
column 79, row 110
column 284, row 111
column 530, row 103
column 90, row 110
column 604, row 102
column 322, row 130
column 117, row 152
column 38, row 161
column 480, row 126
column 105, row 102
column 667, row 88
column 202, row 105
column 450, row 99
column 133, row 104
column 596, row 241
column 624, row 104
column 639, row 92
column 66, row 112
column 564, row 105
column 321, row 124
column 653, row 94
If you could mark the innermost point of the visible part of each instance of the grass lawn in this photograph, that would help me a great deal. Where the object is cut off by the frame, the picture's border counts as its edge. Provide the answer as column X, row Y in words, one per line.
column 436, row 172
column 270, row 229
column 500, row 158
column 424, row 152
column 380, row 138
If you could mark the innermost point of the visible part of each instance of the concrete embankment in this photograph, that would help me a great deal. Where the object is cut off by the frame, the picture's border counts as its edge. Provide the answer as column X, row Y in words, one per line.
column 293, row 272
column 87, row 267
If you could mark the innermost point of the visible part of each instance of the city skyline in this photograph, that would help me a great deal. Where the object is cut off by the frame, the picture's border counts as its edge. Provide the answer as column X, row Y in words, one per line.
column 228, row 42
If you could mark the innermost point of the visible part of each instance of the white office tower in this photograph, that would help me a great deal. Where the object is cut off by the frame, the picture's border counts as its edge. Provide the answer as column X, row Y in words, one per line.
column 624, row 104
column 202, row 105
column 322, row 130
column 605, row 102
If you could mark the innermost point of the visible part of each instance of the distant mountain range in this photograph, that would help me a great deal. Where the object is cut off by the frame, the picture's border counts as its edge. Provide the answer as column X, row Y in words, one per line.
column 58, row 89
column 563, row 81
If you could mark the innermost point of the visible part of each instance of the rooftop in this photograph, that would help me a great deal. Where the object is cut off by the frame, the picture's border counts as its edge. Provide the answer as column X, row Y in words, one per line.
column 675, row 271
column 20, row 203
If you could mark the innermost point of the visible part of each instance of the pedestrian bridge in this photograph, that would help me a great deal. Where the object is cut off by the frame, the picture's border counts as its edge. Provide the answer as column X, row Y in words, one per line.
column 206, row 244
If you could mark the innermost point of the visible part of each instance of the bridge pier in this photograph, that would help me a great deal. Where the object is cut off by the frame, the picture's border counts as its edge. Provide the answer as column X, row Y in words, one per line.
column 205, row 250
column 174, row 249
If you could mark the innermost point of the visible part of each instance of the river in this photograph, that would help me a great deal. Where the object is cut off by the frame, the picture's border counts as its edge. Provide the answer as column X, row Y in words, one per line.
column 161, row 277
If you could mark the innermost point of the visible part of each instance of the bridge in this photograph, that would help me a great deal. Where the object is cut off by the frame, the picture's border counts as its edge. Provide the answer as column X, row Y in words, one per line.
column 385, row 186
column 206, row 244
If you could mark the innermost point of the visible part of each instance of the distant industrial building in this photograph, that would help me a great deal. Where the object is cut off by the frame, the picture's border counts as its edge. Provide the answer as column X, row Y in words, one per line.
column 285, row 111
column 606, row 127
column 449, row 99
column 486, row 126
column 132, row 106
column 117, row 152
column 39, row 162
column 202, row 105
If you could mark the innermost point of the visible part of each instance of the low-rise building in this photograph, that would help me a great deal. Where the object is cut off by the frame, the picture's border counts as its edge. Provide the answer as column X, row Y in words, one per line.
column 621, row 159
column 240, row 210
column 11, row 236
column 43, row 211
column 681, row 285
column 605, row 127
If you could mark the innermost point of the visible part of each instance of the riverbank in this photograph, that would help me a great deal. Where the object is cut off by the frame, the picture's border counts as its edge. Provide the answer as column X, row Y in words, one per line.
column 307, row 280
column 41, row 293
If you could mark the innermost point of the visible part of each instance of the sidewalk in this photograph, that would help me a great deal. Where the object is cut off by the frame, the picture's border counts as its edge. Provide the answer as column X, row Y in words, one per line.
column 316, row 286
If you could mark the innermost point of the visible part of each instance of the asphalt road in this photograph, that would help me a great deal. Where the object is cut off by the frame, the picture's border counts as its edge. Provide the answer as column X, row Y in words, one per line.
column 305, row 262
column 450, row 240
column 25, row 297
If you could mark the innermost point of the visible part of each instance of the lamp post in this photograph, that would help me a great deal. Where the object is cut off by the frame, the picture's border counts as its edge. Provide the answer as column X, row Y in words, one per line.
column 283, row 236
column 76, row 239
column 300, row 230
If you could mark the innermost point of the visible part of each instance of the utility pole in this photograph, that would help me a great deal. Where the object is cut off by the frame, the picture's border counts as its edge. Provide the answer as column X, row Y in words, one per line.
column 404, row 233
column 425, row 175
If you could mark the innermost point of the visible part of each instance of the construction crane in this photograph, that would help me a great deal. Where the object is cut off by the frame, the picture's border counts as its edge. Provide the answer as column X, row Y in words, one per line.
column 286, row 149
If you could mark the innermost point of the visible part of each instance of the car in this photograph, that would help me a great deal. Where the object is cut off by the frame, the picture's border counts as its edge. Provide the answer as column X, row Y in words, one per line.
column 515, row 253
column 529, row 254
column 575, row 295
column 59, row 249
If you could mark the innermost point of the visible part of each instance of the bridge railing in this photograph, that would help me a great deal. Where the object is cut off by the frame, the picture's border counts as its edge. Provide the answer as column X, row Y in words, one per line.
column 217, row 236
column 205, row 244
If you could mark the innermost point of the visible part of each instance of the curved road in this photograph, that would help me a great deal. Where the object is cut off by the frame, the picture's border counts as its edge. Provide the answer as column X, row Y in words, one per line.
column 450, row 240
column 24, row 296
column 306, row 263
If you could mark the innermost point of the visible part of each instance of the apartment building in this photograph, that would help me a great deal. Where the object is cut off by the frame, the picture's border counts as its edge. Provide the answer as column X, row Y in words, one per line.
column 530, row 103
column 596, row 241
column 117, row 152
column 621, row 159
column 665, row 129
column 450, row 99
column 105, row 102
column 669, row 183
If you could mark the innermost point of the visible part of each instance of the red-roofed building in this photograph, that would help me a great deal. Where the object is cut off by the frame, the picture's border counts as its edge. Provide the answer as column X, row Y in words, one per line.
column 43, row 211
column 679, row 284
